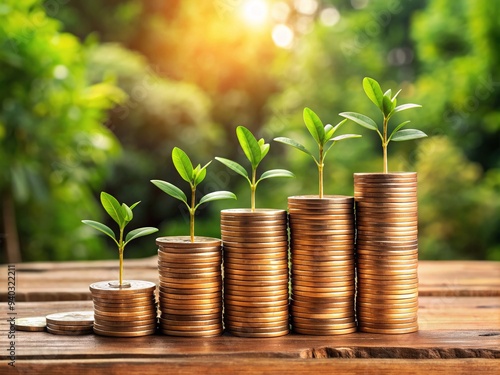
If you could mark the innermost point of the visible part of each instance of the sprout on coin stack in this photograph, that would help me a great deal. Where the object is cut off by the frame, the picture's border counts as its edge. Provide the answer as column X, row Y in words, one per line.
column 122, row 214
column 255, row 151
column 194, row 176
column 322, row 245
column 323, row 135
column 387, row 228
column 190, row 267
column 387, row 104
column 121, row 308
column 255, row 254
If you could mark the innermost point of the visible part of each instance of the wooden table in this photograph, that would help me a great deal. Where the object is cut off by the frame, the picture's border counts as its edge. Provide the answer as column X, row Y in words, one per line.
column 459, row 319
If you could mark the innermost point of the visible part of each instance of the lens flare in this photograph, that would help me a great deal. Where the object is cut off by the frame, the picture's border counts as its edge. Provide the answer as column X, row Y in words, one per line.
column 255, row 12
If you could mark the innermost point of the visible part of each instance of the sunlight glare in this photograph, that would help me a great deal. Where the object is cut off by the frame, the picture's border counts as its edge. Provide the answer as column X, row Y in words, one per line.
column 255, row 12
column 283, row 36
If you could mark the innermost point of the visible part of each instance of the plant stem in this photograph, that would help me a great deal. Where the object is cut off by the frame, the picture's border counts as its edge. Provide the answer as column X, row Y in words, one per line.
column 253, row 188
column 320, row 171
column 120, row 251
column 384, row 145
column 191, row 212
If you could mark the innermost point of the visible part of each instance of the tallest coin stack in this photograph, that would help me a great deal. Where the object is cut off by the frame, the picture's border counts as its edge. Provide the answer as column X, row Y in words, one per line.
column 387, row 252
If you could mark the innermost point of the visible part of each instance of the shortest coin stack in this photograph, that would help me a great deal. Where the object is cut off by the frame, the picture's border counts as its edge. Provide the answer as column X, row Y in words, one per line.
column 126, row 311
column 70, row 323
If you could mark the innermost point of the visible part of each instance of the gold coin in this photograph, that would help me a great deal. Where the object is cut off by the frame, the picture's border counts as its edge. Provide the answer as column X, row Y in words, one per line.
column 80, row 318
column 136, row 287
column 326, row 257
column 129, row 328
column 185, row 242
column 257, row 309
column 247, row 329
column 201, row 333
column 192, row 311
column 99, row 317
column 192, row 323
column 283, row 293
column 252, row 240
column 193, row 276
column 264, row 280
column 388, row 324
column 238, row 315
column 255, row 246
column 313, row 273
column 371, row 257
column 183, row 328
column 304, row 314
column 68, row 333
column 194, row 285
column 31, row 324
column 324, row 303
column 125, row 333
column 126, row 309
column 64, row 327
column 302, row 293
column 325, row 199
column 403, row 248
column 190, row 318
column 279, row 255
column 191, row 271
column 324, row 332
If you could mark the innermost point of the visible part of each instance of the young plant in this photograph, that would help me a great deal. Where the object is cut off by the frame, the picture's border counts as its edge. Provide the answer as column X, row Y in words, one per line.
column 388, row 107
column 255, row 151
column 193, row 176
column 323, row 135
column 122, row 214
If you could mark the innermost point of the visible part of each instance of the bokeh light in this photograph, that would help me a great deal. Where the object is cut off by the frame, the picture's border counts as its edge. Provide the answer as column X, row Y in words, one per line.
column 255, row 12
column 283, row 36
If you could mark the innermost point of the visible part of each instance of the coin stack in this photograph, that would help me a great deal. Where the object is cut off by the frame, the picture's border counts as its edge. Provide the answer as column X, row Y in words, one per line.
column 255, row 247
column 126, row 311
column 70, row 323
column 387, row 252
column 190, row 286
column 323, row 264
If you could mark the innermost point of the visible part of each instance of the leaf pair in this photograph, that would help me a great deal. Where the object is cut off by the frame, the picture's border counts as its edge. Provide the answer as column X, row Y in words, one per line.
column 122, row 214
column 255, row 151
column 388, row 107
column 194, row 176
column 322, row 134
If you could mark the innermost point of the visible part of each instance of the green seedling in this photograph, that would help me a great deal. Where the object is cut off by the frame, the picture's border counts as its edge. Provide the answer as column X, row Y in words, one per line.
column 323, row 136
column 388, row 107
column 194, row 176
column 255, row 151
column 122, row 214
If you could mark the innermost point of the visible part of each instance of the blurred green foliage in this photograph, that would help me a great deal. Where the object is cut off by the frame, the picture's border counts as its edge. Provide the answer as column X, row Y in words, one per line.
column 193, row 71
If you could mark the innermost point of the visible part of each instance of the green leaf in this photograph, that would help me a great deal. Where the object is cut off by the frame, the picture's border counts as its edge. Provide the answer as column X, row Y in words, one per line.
column 127, row 213
column 345, row 136
column 216, row 196
column 249, row 145
column 360, row 120
column 139, row 232
column 330, row 130
column 201, row 174
column 404, row 107
column 397, row 128
column 373, row 91
column 408, row 134
column 135, row 204
column 291, row 142
column 234, row 166
column 276, row 173
column 100, row 227
column 264, row 149
column 113, row 208
column 388, row 105
column 170, row 189
column 182, row 164
column 314, row 125
column 395, row 96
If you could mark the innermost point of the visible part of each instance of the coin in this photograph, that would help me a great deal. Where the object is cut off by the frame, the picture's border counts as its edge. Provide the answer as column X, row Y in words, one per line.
column 68, row 333
column 77, row 318
column 31, row 324
column 137, row 287
column 322, row 331
column 145, row 332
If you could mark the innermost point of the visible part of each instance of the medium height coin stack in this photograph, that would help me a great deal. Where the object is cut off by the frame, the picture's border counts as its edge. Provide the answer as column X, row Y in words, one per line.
column 322, row 257
column 387, row 252
column 190, row 286
column 126, row 311
column 255, row 272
